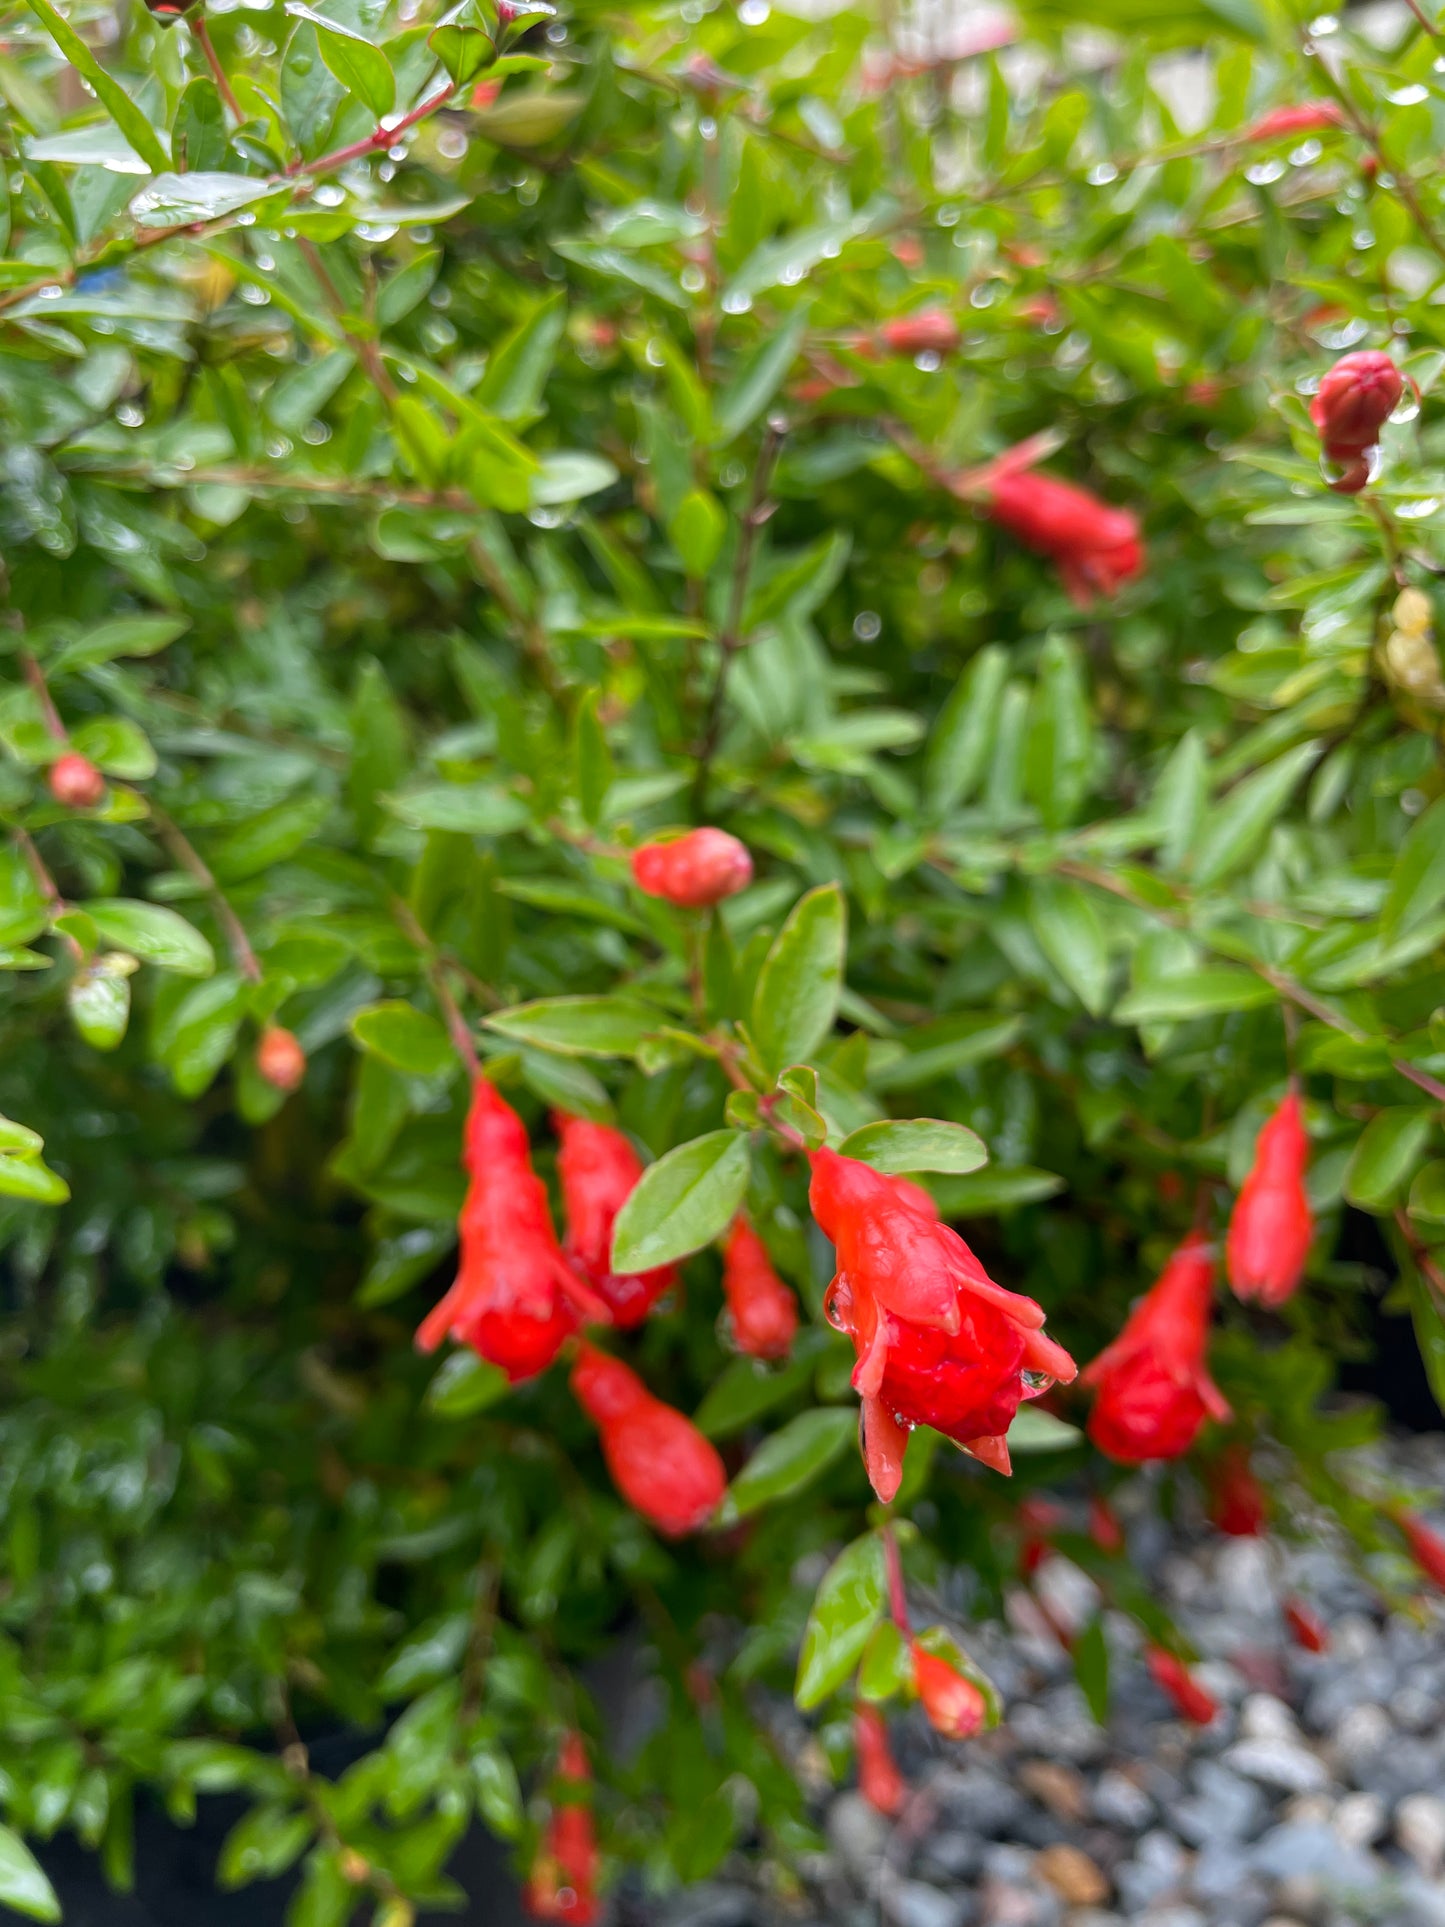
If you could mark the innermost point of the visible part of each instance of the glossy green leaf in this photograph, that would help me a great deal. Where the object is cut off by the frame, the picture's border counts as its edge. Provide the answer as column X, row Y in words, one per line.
column 357, row 62
column 1417, row 887
column 1388, row 1150
column 28, row 1178
column 796, row 1000
column 847, row 1606
column 1233, row 831
column 963, row 736
column 129, row 118
column 1090, row 1654
column 1198, row 993
column 1034, row 1430
column 916, row 1144
column 579, row 1026
column 407, row 1038
column 759, row 378
column 789, row 1460
column 23, row 1885
column 681, row 1203
column 1064, row 918
column 152, row 933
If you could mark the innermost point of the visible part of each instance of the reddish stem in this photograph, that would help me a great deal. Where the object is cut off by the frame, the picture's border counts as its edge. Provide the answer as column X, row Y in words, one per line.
column 374, row 142
column 35, row 676
column 218, row 73
column 897, row 1592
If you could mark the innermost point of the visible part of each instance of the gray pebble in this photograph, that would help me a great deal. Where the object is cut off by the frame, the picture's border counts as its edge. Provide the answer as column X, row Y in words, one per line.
column 1120, row 1802
column 909, row 1903
column 1279, row 1763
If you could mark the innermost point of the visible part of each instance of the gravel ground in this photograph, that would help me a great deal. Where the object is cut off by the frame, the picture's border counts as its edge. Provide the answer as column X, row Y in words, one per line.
column 1313, row 1800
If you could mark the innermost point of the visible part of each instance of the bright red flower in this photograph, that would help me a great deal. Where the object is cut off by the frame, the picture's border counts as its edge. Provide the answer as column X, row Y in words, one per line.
column 931, row 330
column 562, row 1884
column 1306, row 1627
column 75, row 782
column 1104, row 1527
column 1309, row 117
column 1427, row 1548
column 1154, row 1388
column 879, row 1780
column 1095, row 547
column 280, row 1059
column 1356, row 398
column 1170, row 1673
column 509, row 1301
column 1271, row 1225
column 764, row 1313
column 938, row 1342
column 659, row 1461
column 954, row 1705
column 694, row 870
column 598, row 1169
column 1237, row 1503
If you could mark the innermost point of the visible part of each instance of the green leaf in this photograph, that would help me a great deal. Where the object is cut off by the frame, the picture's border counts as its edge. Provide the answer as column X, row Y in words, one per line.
column 23, row 1885
column 681, row 1203
column 1389, row 1147
column 985, row 1193
column 180, row 200
column 1200, row 993
column 1427, row 1194
column 963, row 736
column 1090, row 1654
column 465, row 1385
column 747, row 1388
column 1180, row 798
column 936, row 1050
column 476, row 809
column 499, row 1794
column 28, row 1178
column 358, row 63
column 125, row 636
column 796, row 1000
column 1063, row 917
column 199, row 1031
column 98, row 999
column 152, row 933
column 262, row 1844
column 886, row 1669
column 116, row 745
column 517, row 368
column 268, row 839
column 1059, row 751
column 847, row 1606
column 1034, row 1430
column 406, row 1038
column 1429, row 1331
column 465, row 51
column 129, row 118
column 569, row 474
column 592, row 759
column 1232, row 832
column 1418, row 885
column 579, row 1026
column 789, row 1460
column 759, row 378
column 696, row 530
column 916, row 1144
column 20, row 1138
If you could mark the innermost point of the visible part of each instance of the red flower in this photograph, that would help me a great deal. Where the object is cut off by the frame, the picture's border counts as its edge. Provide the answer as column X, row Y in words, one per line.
column 75, row 782
column 1427, row 1548
column 562, row 1884
column 598, row 1169
column 1095, row 547
column 1271, row 1226
column 508, row 1301
column 694, row 870
column 954, row 1705
column 938, row 1342
column 1104, row 1527
column 659, row 1461
column 1040, row 1519
column 879, row 1781
column 1237, row 1503
column 763, row 1311
column 930, row 331
column 1306, row 1627
column 1154, row 1387
column 1356, row 398
column 1170, row 1673
column 280, row 1059
column 1309, row 117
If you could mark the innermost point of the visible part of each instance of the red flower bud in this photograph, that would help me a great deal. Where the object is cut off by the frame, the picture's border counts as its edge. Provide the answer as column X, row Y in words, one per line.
column 1356, row 398
column 1306, row 1627
column 1096, row 548
column 280, row 1058
column 562, row 1884
column 1237, row 1504
column 954, row 1705
column 930, row 331
column 1309, row 117
column 694, row 870
column 1104, row 1527
column 1427, row 1548
column 764, row 1313
column 938, row 1342
column 598, row 1169
column 75, row 782
column 1271, row 1225
column 879, row 1781
column 509, row 1300
column 1170, row 1673
column 659, row 1461
column 1153, row 1384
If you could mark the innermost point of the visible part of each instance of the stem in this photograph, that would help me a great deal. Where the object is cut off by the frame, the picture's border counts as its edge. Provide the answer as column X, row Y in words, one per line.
column 436, row 976
column 48, row 888
column 366, row 352
column 531, row 634
column 897, row 1592
column 35, row 676
column 375, row 141
column 218, row 73
column 191, row 861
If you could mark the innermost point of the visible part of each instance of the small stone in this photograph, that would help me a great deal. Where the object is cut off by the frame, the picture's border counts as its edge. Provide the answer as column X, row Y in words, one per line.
column 859, row 1834
column 1072, row 1875
column 957, row 1855
column 1058, row 1787
column 1246, row 1584
column 1002, row 1905
column 1359, row 1819
column 979, row 1801
column 1224, row 1806
column 1172, row 1917
column 1279, row 1763
column 1420, row 1830
column 911, row 1903
column 1361, row 1733
column 714, row 1906
column 1156, row 1871
column 1119, row 1802
column 1315, row 1854
column 1262, row 1717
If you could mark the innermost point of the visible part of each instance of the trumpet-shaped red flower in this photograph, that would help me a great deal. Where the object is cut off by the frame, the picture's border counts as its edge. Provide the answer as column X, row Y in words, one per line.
column 1154, row 1388
column 1271, row 1225
column 75, row 782
column 598, row 1169
column 938, row 1342
column 1096, row 548
column 1427, row 1548
column 930, row 331
column 1237, row 1503
column 764, row 1313
column 879, row 1780
column 694, row 870
column 280, row 1059
column 956, row 1708
column 509, row 1301
column 1308, row 117
column 1170, row 1673
column 1306, row 1627
column 659, row 1461
column 562, row 1884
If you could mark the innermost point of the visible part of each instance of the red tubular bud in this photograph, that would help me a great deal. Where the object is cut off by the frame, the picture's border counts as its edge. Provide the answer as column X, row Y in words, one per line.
column 1154, row 1388
column 1104, row 1527
column 695, row 870
column 954, row 1705
column 1306, row 1627
column 763, row 1311
column 1356, row 398
column 1427, row 1548
column 1271, row 1224
column 562, row 1884
column 280, row 1059
column 930, row 331
column 879, row 1780
column 1237, row 1503
column 75, row 782
column 598, row 1169
column 1309, row 117
column 1173, row 1677
column 659, row 1461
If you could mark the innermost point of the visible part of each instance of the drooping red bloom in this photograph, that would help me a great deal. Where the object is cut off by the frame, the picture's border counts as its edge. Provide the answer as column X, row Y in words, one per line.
column 1095, row 547
column 659, row 1461
column 1306, row 1627
column 954, row 1705
column 75, row 782
column 1308, row 117
column 1271, row 1225
column 1170, row 1673
column 599, row 1168
column 1104, row 1527
column 562, row 1884
column 694, row 870
column 280, row 1059
column 1356, row 398
column 1427, row 1548
column 1154, row 1388
column 1237, row 1503
column 763, row 1312
column 938, row 1342
column 930, row 331
column 879, row 1780
column 509, row 1301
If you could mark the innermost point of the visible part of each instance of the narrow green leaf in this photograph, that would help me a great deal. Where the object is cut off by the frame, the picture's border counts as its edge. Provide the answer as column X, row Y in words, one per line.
column 796, row 1000
column 1060, row 747
column 958, row 748
column 1201, row 993
column 1386, row 1154
column 476, row 809
column 23, row 1885
column 1232, row 832
column 1063, row 917
column 847, row 1606
column 465, row 1385
column 1034, row 1430
column 759, row 378
column 1090, row 1655
column 789, row 1460
column 747, row 1388
column 108, row 91
column 358, row 63
column 916, row 1144
column 681, row 1203
column 152, row 933
column 1418, row 884
column 1429, row 1332
column 579, row 1026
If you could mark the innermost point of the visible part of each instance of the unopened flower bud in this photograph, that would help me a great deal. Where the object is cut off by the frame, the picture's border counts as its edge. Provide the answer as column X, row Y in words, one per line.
column 1411, row 664
column 1306, row 1627
column 1271, row 1225
column 1309, row 117
column 1427, row 1548
column 75, row 782
column 1173, row 1677
column 931, row 330
column 763, row 1312
column 280, row 1058
column 695, row 870
column 956, row 1708
column 879, row 1781
column 1356, row 398
column 1413, row 612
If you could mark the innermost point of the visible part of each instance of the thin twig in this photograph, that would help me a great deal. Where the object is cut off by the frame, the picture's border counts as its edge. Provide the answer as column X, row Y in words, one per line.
column 367, row 352
column 191, row 861
column 35, row 676
column 202, row 32
column 436, row 975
